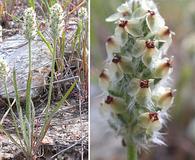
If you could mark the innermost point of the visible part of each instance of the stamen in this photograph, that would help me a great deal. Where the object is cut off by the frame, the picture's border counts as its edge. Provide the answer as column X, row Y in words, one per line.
column 122, row 24
column 109, row 100
column 116, row 59
column 144, row 84
column 150, row 44
column 103, row 75
column 153, row 116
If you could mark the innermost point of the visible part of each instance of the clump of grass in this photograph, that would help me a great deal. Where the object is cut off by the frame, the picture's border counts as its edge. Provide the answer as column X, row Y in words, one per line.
column 29, row 141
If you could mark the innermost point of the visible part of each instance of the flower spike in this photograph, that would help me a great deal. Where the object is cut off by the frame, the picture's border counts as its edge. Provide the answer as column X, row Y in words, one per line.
column 134, row 80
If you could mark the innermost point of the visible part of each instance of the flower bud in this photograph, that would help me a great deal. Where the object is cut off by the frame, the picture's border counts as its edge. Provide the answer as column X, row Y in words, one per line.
column 30, row 25
column 110, row 74
column 117, row 104
column 56, row 20
column 3, row 69
column 154, row 21
column 123, row 63
column 165, row 98
column 104, row 79
column 112, row 46
column 163, row 68
column 165, row 34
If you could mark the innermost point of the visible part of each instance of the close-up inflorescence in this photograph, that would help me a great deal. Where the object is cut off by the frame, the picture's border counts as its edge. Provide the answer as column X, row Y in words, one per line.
column 136, row 80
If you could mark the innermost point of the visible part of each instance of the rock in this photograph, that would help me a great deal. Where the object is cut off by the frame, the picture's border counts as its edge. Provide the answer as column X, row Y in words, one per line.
column 15, row 52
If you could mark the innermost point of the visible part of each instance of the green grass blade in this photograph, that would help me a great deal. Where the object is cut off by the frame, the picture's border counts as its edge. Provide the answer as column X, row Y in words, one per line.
column 77, row 34
column 59, row 104
column 18, row 106
column 45, row 2
column 28, row 97
column 53, row 2
column 45, row 41
column 31, row 3
column 62, row 44
column 33, row 122
column 49, row 118
column 14, row 118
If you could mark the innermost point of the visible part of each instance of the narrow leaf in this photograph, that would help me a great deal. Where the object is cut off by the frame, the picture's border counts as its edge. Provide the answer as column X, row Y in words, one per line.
column 45, row 41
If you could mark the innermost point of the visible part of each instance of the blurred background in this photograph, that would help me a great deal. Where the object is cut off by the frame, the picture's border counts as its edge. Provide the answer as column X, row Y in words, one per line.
column 180, row 138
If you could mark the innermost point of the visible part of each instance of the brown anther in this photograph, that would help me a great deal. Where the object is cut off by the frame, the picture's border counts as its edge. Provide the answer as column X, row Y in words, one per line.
column 153, row 116
column 169, row 94
column 116, row 59
column 167, row 32
column 109, row 100
column 169, row 63
column 103, row 75
column 144, row 84
column 110, row 40
column 150, row 44
column 122, row 24
column 152, row 13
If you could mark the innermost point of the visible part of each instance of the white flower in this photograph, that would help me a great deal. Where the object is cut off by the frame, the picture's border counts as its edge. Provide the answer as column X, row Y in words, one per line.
column 165, row 35
column 82, row 12
column 151, row 121
column 141, row 91
column 30, row 25
column 162, row 67
column 3, row 69
column 163, row 97
column 56, row 20
column 154, row 21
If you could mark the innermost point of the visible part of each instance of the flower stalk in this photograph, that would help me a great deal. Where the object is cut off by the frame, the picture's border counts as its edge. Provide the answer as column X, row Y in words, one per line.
column 56, row 28
column 135, row 79
column 131, row 152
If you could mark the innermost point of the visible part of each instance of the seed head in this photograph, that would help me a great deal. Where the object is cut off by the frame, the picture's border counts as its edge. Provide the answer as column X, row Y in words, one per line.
column 56, row 20
column 3, row 69
column 30, row 25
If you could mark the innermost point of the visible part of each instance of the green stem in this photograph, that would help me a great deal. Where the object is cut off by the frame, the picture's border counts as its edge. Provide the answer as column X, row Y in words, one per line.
column 52, row 73
column 28, row 87
column 131, row 152
column 29, row 119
